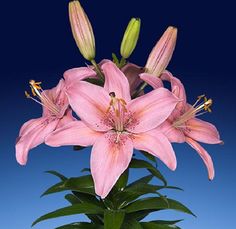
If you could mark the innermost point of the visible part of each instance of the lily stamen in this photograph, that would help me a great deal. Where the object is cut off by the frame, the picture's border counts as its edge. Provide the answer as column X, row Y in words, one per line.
column 118, row 106
column 43, row 99
column 195, row 110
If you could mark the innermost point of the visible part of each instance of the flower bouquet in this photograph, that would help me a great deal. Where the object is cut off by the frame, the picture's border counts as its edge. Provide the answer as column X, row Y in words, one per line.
column 115, row 114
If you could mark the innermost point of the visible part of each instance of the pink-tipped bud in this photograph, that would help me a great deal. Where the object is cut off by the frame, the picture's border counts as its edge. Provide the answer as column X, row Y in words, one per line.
column 161, row 54
column 82, row 30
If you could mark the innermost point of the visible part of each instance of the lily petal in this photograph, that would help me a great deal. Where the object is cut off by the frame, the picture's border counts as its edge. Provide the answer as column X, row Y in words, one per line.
column 204, row 155
column 57, row 96
column 203, row 131
column 33, row 137
column 90, row 102
column 173, row 134
column 74, row 133
column 176, row 86
column 132, row 72
column 115, row 81
column 152, row 80
column 152, row 109
column 67, row 118
column 109, row 160
column 157, row 144
column 75, row 75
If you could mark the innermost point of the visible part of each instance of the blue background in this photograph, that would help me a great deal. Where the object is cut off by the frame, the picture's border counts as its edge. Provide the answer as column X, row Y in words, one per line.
column 36, row 42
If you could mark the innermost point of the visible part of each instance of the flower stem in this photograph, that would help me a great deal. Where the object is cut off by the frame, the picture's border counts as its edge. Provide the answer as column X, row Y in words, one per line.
column 143, row 85
column 98, row 70
column 122, row 62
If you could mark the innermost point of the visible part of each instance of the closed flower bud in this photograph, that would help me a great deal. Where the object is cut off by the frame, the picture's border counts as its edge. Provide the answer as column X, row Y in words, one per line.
column 82, row 30
column 161, row 54
column 130, row 38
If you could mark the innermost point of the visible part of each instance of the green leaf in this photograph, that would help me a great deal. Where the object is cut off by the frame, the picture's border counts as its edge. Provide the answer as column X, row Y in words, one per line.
column 134, row 192
column 131, row 224
column 82, row 184
column 137, row 163
column 113, row 219
column 72, row 199
column 139, row 215
column 59, row 175
column 143, row 180
column 86, row 170
column 170, row 222
column 149, row 156
column 97, row 82
column 83, row 208
column 86, row 198
column 151, row 225
column 156, row 203
column 77, row 148
column 115, row 59
column 122, row 181
column 59, row 187
column 82, row 225
column 159, row 187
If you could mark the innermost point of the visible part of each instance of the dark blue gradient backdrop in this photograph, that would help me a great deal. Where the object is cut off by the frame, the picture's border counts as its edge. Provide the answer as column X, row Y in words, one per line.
column 36, row 43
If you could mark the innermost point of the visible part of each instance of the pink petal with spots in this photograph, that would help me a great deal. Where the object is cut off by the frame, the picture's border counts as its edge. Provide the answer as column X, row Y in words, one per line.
column 90, row 102
column 74, row 133
column 150, row 110
column 109, row 160
column 157, row 144
column 115, row 81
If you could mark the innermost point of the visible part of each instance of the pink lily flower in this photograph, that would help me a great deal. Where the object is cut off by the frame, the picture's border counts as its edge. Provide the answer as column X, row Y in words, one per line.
column 55, row 114
column 115, row 125
column 183, row 124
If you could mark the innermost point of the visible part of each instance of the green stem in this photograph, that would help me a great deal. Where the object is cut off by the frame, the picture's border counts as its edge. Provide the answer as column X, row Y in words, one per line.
column 98, row 70
column 122, row 62
column 144, row 84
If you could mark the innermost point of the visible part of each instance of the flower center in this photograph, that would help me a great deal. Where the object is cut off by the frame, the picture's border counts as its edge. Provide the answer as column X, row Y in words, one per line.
column 40, row 97
column 201, row 106
column 117, row 108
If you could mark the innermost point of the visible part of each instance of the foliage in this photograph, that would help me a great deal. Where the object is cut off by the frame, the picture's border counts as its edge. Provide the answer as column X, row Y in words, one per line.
column 125, row 207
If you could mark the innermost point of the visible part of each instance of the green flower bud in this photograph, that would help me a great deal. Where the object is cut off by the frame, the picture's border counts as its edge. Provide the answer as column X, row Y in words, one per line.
column 130, row 38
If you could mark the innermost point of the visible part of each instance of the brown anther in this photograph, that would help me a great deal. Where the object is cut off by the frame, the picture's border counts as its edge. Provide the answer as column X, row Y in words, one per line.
column 112, row 94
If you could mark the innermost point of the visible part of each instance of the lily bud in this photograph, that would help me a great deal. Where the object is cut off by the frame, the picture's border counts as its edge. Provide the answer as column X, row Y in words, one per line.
column 130, row 37
column 82, row 30
column 161, row 54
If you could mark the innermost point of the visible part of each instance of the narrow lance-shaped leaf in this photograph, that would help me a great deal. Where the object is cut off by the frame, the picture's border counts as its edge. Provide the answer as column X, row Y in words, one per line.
column 83, row 208
column 72, row 199
column 113, row 219
column 151, row 225
column 157, row 203
column 131, row 223
column 149, row 156
column 57, row 174
column 137, row 163
column 122, row 182
column 82, row 225
column 82, row 184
